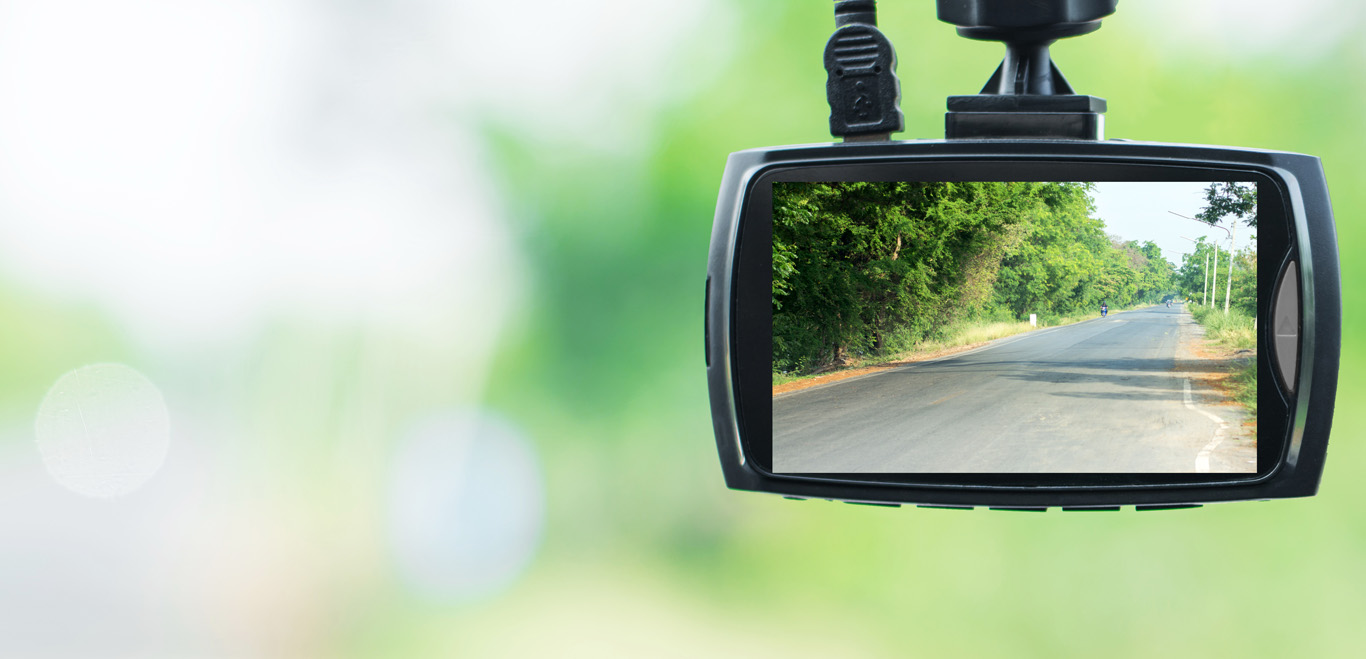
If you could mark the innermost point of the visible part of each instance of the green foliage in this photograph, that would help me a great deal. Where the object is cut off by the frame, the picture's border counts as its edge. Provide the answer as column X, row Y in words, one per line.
column 870, row 267
column 1243, row 384
column 1243, row 296
column 873, row 268
column 1224, row 199
column 1192, row 279
column 1233, row 329
column 1203, row 277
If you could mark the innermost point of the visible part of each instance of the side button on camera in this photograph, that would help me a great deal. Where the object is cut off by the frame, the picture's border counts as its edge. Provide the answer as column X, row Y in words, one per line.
column 1285, row 325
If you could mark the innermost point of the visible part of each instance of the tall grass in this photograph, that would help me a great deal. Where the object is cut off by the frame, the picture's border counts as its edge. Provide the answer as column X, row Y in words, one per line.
column 970, row 333
column 1233, row 330
column 1243, row 385
column 1236, row 331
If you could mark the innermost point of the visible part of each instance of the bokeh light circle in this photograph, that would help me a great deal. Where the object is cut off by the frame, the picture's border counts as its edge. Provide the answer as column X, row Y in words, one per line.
column 466, row 506
column 103, row 430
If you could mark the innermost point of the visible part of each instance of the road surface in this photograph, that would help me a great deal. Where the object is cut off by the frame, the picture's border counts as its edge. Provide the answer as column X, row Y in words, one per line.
column 1108, row 395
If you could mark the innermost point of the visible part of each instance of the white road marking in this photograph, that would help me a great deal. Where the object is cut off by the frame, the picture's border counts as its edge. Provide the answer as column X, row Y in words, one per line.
column 1202, row 460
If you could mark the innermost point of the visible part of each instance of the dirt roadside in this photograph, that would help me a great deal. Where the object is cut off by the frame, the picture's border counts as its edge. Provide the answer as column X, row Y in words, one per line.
column 797, row 385
column 1209, row 367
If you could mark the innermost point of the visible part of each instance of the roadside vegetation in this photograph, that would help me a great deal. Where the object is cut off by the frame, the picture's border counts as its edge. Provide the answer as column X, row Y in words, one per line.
column 867, row 273
column 958, row 337
column 1223, row 290
column 952, row 339
column 1234, row 331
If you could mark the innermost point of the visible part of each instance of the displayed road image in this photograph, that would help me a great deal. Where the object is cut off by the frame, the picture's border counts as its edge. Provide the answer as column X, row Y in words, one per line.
column 1014, row 327
column 1122, row 394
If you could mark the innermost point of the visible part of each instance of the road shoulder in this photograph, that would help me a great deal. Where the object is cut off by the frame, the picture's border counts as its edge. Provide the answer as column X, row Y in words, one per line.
column 1208, row 366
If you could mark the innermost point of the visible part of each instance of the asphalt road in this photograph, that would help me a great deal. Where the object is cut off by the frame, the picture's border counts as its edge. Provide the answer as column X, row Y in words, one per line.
column 1106, row 395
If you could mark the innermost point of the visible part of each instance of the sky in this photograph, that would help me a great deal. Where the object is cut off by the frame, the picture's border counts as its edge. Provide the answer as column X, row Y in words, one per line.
column 1142, row 210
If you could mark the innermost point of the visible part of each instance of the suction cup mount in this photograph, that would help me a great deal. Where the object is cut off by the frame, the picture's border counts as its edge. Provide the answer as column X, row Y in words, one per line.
column 1027, row 97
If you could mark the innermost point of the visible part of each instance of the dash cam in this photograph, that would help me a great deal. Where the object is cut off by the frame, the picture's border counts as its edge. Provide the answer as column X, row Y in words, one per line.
column 1022, row 315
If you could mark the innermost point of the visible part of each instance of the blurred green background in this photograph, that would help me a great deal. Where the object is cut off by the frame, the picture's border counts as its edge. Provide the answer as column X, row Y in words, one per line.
column 466, row 243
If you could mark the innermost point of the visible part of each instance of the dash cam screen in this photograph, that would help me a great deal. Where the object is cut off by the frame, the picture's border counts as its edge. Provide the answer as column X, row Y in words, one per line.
column 1015, row 327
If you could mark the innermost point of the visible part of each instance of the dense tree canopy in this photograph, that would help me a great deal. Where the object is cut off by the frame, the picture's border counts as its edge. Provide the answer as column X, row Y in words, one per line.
column 874, row 267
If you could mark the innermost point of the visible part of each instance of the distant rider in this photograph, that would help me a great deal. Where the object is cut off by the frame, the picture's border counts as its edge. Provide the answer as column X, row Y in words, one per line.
column 1104, row 309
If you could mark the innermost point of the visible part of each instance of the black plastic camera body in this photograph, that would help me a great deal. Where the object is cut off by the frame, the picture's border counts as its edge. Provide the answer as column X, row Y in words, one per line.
column 1091, row 413
column 1297, row 330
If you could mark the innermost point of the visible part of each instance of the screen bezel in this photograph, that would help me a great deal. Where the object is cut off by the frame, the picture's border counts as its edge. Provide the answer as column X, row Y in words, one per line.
column 751, row 312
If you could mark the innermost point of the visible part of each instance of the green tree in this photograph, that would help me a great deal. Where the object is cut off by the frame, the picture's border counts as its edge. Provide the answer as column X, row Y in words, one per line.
column 872, row 267
column 1244, row 289
column 1194, row 277
column 1065, row 261
column 1229, row 198
column 1236, row 200
column 869, row 267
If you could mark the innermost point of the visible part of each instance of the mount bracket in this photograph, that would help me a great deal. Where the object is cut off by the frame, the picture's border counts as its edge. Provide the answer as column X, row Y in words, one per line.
column 1027, row 97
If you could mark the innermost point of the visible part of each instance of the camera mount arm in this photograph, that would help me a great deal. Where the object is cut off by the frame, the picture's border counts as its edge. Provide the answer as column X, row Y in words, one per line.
column 1027, row 97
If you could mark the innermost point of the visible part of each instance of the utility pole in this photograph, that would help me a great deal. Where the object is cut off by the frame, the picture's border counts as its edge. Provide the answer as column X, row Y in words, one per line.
column 1229, row 286
column 1214, row 290
column 1205, row 289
